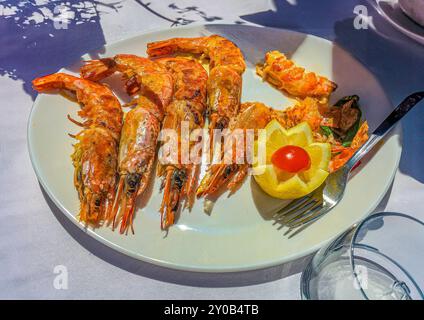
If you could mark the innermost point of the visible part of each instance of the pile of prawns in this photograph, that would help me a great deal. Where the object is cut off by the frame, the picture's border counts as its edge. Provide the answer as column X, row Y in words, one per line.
column 115, row 154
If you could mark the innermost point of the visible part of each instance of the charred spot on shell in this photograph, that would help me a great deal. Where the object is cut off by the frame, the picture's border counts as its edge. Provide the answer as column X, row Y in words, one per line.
column 110, row 63
column 98, row 69
column 196, row 93
column 132, row 181
column 178, row 179
column 175, row 207
column 197, row 118
column 162, row 185
column 132, row 86
column 98, row 201
column 229, row 170
column 222, row 123
column 109, row 159
column 79, row 175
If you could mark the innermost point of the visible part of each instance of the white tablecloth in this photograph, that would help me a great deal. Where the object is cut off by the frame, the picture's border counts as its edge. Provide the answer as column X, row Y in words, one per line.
column 35, row 237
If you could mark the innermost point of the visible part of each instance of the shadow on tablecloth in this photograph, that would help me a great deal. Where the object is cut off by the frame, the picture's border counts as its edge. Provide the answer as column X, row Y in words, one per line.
column 39, row 38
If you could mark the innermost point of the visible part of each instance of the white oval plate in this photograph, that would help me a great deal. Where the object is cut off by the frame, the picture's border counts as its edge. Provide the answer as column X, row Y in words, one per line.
column 239, row 234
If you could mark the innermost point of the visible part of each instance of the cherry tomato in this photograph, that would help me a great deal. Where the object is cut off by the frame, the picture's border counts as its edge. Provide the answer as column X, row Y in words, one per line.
column 291, row 159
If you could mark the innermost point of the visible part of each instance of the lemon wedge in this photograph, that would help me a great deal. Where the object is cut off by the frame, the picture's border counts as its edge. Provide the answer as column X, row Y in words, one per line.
column 285, row 185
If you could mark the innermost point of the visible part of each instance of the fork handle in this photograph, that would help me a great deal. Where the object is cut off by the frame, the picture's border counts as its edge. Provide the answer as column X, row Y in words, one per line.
column 402, row 109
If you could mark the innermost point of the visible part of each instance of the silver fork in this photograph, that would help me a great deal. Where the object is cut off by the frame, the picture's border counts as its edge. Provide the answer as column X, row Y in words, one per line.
column 301, row 213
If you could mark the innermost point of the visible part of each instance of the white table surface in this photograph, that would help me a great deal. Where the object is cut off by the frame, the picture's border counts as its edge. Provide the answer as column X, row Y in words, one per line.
column 35, row 237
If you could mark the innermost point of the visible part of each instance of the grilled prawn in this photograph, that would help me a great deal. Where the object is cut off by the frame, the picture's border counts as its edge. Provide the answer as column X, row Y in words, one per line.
column 286, row 76
column 96, row 152
column 225, row 69
column 253, row 115
column 226, row 66
column 137, row 149
column 189, row 106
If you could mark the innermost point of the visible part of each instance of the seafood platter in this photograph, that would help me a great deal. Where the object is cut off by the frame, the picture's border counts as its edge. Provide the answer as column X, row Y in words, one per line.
column 178, row 147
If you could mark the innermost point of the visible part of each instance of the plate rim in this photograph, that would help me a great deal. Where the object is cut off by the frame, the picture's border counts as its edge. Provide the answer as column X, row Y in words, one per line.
column 204, row 269
column 410, row 34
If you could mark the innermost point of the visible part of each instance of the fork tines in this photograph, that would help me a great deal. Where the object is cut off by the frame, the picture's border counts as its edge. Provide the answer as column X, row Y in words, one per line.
column 299, row 214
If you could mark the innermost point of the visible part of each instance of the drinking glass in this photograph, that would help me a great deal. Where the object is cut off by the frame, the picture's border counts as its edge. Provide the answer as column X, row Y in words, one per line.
column 380, row 258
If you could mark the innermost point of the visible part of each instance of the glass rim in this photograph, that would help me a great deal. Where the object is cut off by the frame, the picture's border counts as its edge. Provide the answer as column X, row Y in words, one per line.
column 353, row 245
